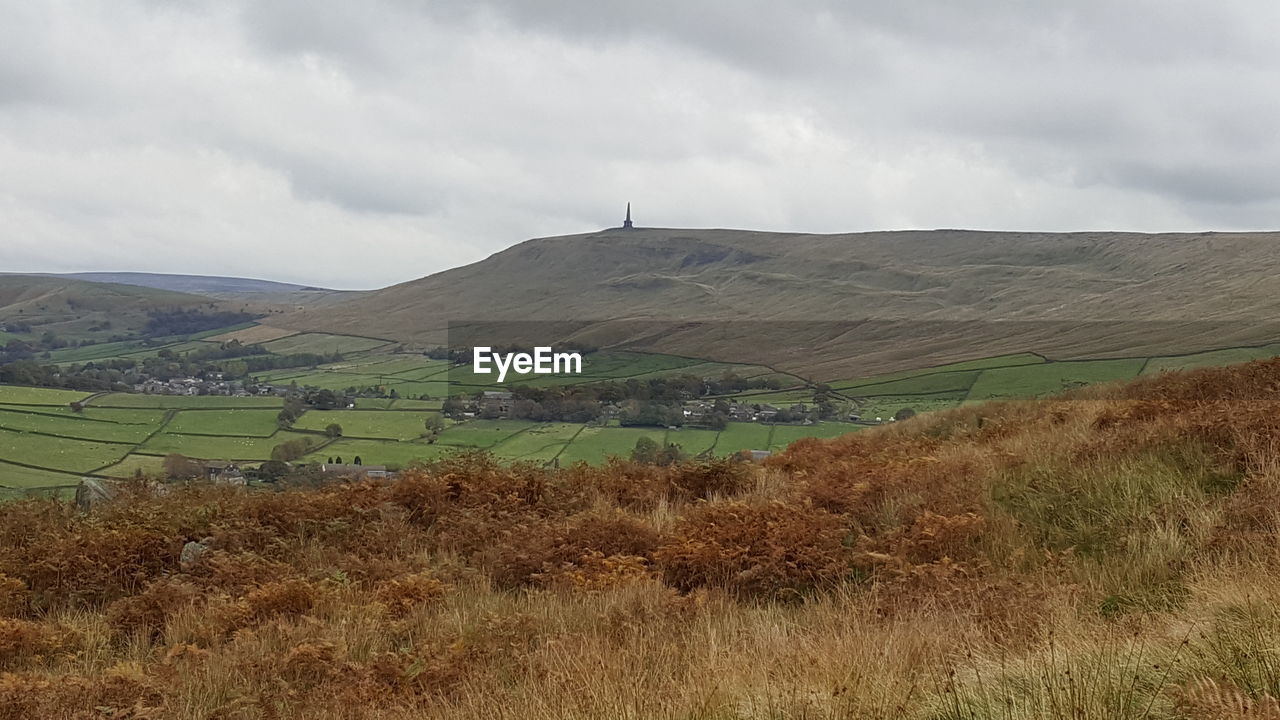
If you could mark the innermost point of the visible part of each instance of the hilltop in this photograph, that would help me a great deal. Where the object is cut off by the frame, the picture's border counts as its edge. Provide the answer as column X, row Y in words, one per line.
column 850, row 304
column 1106, row 554
column 215, row 286
column 87, row 309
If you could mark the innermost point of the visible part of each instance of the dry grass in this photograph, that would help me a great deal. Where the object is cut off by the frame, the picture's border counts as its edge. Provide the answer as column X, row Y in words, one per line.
column 1107, row 555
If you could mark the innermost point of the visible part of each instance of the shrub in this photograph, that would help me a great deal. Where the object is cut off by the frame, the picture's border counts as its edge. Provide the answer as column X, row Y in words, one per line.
column 761, row 549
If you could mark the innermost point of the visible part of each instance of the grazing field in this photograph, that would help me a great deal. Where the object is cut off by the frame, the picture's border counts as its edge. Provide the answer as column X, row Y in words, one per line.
column 127, row 416
column 919, row 385
column 124, row 432
column 75, row 427
column 538, row 443
column 131, row 400
column 21, row 395
column 16, row 477
column 693, row 441
column 483, row 433
column 252, row 335
column 738, row 436
column 1229, row 356
column 596, row 444
column 215, row 447
column 385, row 424
column 132, row 463
column 56, row 453
column 884, row 406
column 1035, row 380
column 321, row 344
column 380, row 452
column 236, row 422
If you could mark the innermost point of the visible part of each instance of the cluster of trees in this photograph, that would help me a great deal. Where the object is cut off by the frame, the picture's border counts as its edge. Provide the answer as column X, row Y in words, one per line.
column 19, row 365
column 162, row 323
column 648, row 451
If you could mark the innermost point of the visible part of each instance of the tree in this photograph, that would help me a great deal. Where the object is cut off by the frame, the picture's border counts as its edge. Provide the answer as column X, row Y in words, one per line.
column 358, row 461
column 181, row 467
column 333, row 430
column 905, row 413
column 434, row 425
column 645, row 451
column 273, row 470
column 77, row 406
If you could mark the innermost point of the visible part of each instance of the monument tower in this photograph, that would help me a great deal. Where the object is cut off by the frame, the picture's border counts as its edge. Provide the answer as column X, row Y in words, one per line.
column 626, row 224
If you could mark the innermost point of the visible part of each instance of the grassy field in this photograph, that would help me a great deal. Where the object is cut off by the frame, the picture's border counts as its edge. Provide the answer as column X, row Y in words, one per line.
column 132, row 463
column 595, row 444
column 237, row 422
column 129, row 432
column 16, row 477
column 75, row 427
column 387, row 424
column 483, row 433
column 538, row 443
column 321, row 344
column 20, row 395
column 380, row 452
column 1033, row 380
column 56, row 453
column 216, row 447
column 130, row 400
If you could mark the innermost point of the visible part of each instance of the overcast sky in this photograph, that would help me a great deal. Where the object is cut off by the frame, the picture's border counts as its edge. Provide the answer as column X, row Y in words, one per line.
column 358, row 144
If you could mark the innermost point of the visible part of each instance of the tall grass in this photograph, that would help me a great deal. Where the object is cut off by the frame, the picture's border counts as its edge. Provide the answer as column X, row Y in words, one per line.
column 1108, row 555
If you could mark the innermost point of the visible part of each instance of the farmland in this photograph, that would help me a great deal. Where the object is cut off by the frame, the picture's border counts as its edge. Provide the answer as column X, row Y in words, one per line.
column 47, row 443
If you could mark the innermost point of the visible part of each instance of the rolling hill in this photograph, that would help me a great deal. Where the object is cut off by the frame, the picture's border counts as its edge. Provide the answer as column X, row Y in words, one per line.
column 848, row 304
column 223, row 288
column 86, row 309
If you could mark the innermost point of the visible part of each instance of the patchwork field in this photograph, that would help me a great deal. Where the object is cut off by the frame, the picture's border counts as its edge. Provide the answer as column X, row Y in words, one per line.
column 45, row 443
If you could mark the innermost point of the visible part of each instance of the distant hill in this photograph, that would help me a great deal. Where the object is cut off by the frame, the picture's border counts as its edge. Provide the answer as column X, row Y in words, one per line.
column 81, row 309
column 224, row 288
column 850, row 304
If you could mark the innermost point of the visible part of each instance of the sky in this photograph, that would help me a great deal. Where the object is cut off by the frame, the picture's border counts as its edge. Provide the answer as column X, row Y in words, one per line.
column 356, row 145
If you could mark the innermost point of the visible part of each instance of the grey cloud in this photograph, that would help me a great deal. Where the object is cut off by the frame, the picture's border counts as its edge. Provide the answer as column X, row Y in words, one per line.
column 187, row 133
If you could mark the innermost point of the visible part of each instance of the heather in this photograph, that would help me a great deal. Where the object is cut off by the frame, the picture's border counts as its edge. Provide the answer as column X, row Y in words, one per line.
column 1110, row 553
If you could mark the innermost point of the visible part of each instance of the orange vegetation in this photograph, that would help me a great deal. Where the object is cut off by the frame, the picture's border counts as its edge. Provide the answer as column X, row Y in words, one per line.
column 1107, row 554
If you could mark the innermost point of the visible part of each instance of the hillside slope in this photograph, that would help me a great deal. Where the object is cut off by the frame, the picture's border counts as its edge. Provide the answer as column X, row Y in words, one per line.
column 65, row 306
column 1105, row 555
column 836, row 305
column 223, row 288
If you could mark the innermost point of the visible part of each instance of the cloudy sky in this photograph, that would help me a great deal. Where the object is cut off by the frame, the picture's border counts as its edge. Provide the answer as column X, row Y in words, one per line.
column 356, row 145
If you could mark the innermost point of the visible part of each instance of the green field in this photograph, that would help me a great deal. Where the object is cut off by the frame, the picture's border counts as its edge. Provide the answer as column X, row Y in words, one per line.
column 884, row 406
column 21, row 395
column 215, row 447
column 693, row 441
column 14, row 477
column 239, row 422
column 385, row 424
column 922, row 384
column 380, row 452
column 322, row 344
column 75, row 427
column 1230, row 356
column 540, row 442
column 58, row 453
column 1033, row 380
column 148, row 464
column 131, row 400
column 743, row 436
column 117, row 434
column 784, row 435
column 483, row 433
column 596, row 444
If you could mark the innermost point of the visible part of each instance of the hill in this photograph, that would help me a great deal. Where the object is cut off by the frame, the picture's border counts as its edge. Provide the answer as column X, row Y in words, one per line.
column 851, row 304
column 223, row 288
column 82, row 309
column 1102, row 555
